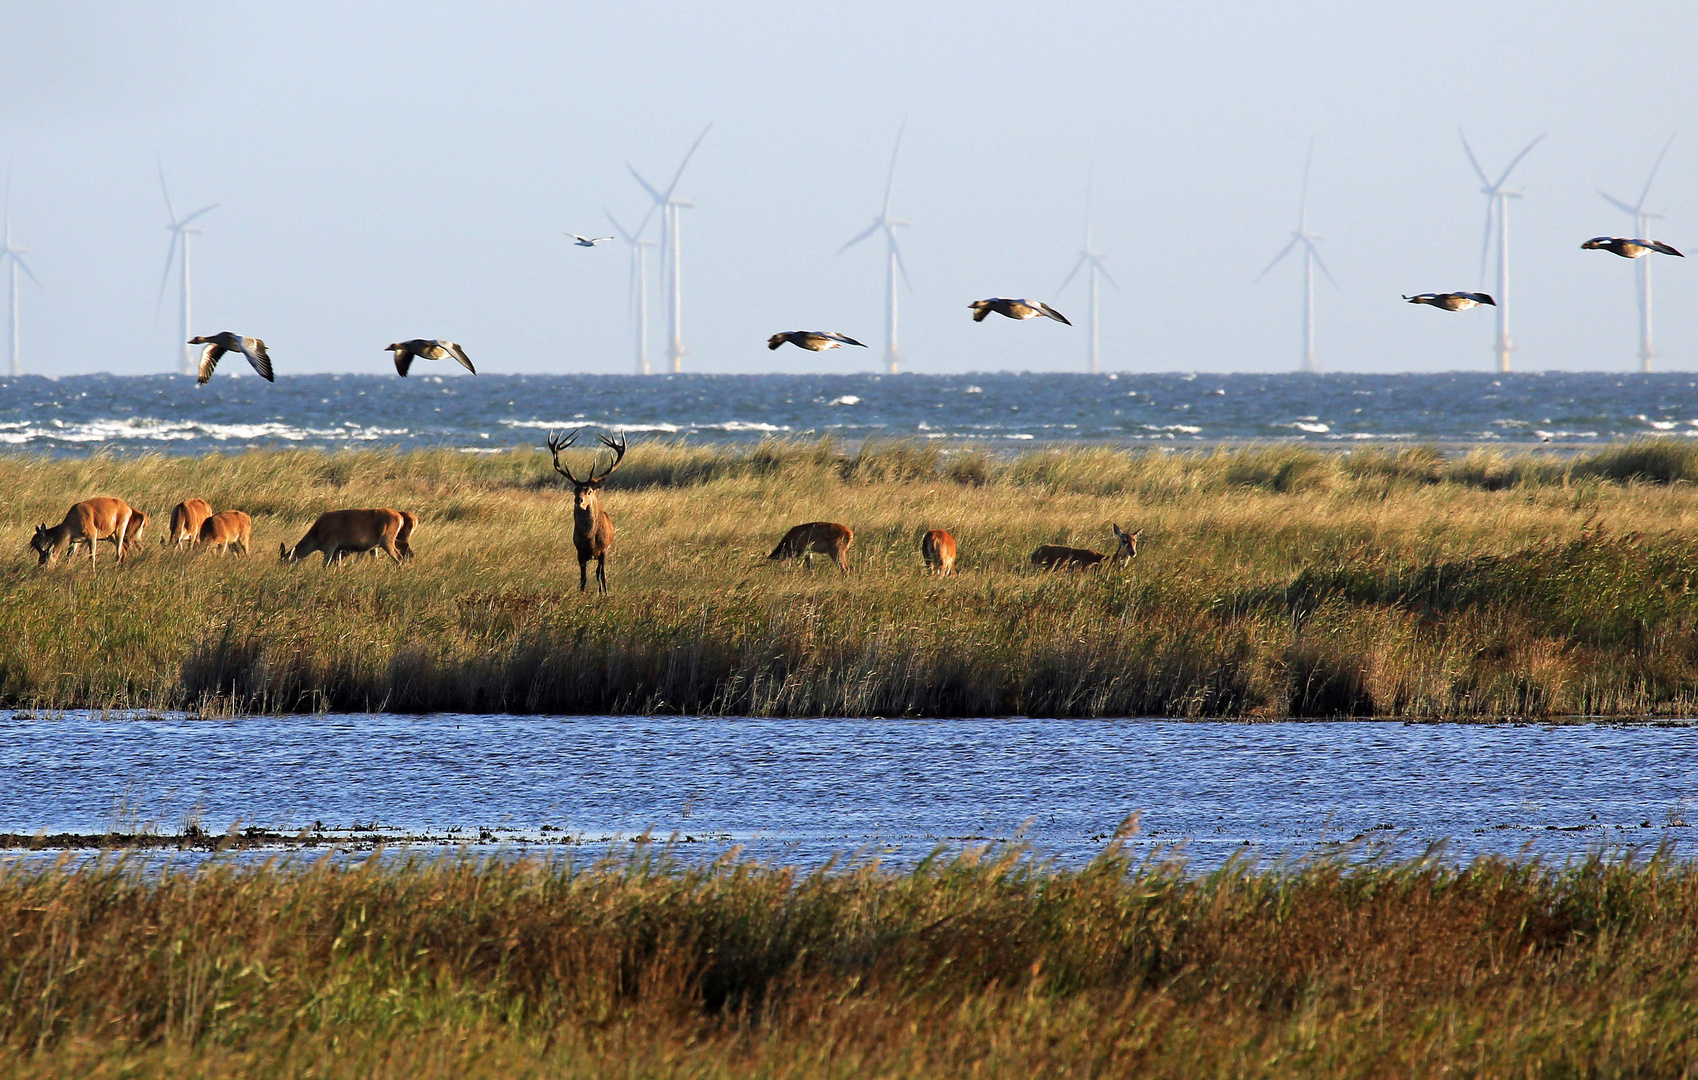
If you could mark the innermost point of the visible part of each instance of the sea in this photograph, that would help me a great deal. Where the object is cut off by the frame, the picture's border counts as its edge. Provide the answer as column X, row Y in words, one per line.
column 169, row 414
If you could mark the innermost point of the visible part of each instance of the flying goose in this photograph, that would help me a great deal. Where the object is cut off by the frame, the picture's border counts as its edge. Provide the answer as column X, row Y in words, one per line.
column 1014, row 309
column 219, row 344
column 588, row 241
column 812, row 340
column 427, row 349
column 1452, row 301
column 1628, row 249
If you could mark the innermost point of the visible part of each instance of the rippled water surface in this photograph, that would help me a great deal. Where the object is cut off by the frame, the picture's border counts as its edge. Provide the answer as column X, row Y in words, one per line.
column 170, row 413
column 803, row 790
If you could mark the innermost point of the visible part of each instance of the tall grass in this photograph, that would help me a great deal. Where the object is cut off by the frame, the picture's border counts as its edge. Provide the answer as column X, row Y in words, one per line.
column 988, row 964
column 1270, row 582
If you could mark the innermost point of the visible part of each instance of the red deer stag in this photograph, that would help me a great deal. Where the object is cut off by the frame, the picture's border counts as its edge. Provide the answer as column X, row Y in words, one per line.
column 1056, row 557
column 592, row 529
column 339, row 533
column 938, row 549
column 822, row 537
column 186, row 519
column 227, row 530
column 87, row 522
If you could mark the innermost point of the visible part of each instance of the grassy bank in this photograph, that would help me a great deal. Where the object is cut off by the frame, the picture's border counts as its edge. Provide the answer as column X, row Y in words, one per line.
column 982, row 966
column 1271, row 582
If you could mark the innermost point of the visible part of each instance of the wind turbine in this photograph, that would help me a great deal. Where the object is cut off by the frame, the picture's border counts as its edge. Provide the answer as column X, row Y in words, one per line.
column 1311, row 259
column 670, row 261
column 1642, row 267
column 1497, row 202
column 187, row 363
column 639, row 290
column 13, row 258
column 893, row 260
column 1093, row 259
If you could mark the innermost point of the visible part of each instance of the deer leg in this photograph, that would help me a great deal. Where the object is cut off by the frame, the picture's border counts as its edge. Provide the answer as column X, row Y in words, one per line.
column 583, row 575
column 389, row 549
column 601, row 572
column 842, row 563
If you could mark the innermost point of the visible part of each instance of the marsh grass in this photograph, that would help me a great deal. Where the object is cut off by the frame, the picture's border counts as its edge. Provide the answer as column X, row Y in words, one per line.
column 1271, row 581
column 987, row 964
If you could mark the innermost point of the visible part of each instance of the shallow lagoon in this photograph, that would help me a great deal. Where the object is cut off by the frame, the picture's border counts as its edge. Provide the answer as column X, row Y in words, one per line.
column 803, row 790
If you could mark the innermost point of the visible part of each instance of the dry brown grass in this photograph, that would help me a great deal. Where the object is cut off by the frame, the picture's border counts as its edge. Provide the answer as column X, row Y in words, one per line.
column 1270, row 582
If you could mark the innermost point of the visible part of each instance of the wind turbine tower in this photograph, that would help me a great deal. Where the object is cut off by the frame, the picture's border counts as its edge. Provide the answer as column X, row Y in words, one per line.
column 1311, row 259
column 12, row 257
column 639, row 291
column 1642, row 267
column 180, row 232
column 1094, row 260
column 1497, row 203
column 893, row 260
column 671, row 260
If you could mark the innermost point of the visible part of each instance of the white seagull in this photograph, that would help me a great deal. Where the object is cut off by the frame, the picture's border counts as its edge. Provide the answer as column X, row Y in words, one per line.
column 1015, row 309
column 1452, row 301
column 428, row 349
column 1628, row 249
column 219, row 344
column 812, row 340
column 588, row 241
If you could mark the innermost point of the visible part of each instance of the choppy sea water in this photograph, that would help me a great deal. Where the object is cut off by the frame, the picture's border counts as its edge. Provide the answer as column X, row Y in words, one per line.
column 164, row 413
column 803, row 790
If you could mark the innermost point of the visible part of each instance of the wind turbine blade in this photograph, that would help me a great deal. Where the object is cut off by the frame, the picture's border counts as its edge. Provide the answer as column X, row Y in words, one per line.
column 679, row 175
column 1303, row 202
column 165, row 278
column 1618, row 204
column 1103, row 270
column 169, row 209
column 648, row 187
column 1472, row 160
column 1518, row 158
column 1636, row 208
column 1283, row 252
column 873, row 228
column 198, row 213
column 896, row 249
column 8, row 240
column 1071, row 274
column 1317, row 257
column 890, row 177
column 1486, row 242
column 624, row 234
column 24, row 266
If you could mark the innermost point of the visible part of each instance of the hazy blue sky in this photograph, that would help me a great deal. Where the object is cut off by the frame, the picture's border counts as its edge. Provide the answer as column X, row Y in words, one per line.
column 391, row 170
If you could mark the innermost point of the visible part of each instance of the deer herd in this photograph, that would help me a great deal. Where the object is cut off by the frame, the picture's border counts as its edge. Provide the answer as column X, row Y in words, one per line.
column 340, row 533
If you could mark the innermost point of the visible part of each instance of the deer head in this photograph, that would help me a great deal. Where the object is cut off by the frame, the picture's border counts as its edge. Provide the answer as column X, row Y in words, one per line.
column 586, row 490
column 1128, row 548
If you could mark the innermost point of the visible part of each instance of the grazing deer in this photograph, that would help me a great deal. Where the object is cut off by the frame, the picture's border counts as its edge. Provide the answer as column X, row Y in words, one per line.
column 822, row 537
column 339, row 533
column 404, row 537
column 938, row 549
column 225, row 531
column 592, row 529
column 87, row 522
column 1056, row 557
column 133, row 532
column 186, row 519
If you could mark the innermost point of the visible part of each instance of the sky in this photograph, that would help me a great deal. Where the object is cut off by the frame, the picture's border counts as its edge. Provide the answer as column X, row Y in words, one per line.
column 388, row 170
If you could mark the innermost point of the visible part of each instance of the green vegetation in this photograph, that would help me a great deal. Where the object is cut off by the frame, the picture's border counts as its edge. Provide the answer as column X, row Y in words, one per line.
column 985, row 965
column 1270, row 582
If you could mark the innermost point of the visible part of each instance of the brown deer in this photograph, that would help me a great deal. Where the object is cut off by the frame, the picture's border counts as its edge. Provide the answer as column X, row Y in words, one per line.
column 339, row 533
column 133, row 532
column 822, row 537
column 87, row 522
column 592, row 529
column 1056, row 557
column 938, row 549
column 186, row 520
column 404, row 537
column 227, row 530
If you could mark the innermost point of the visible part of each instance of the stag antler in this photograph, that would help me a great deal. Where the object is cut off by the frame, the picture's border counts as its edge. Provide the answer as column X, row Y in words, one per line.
column 557, row 444
column 618, row 448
